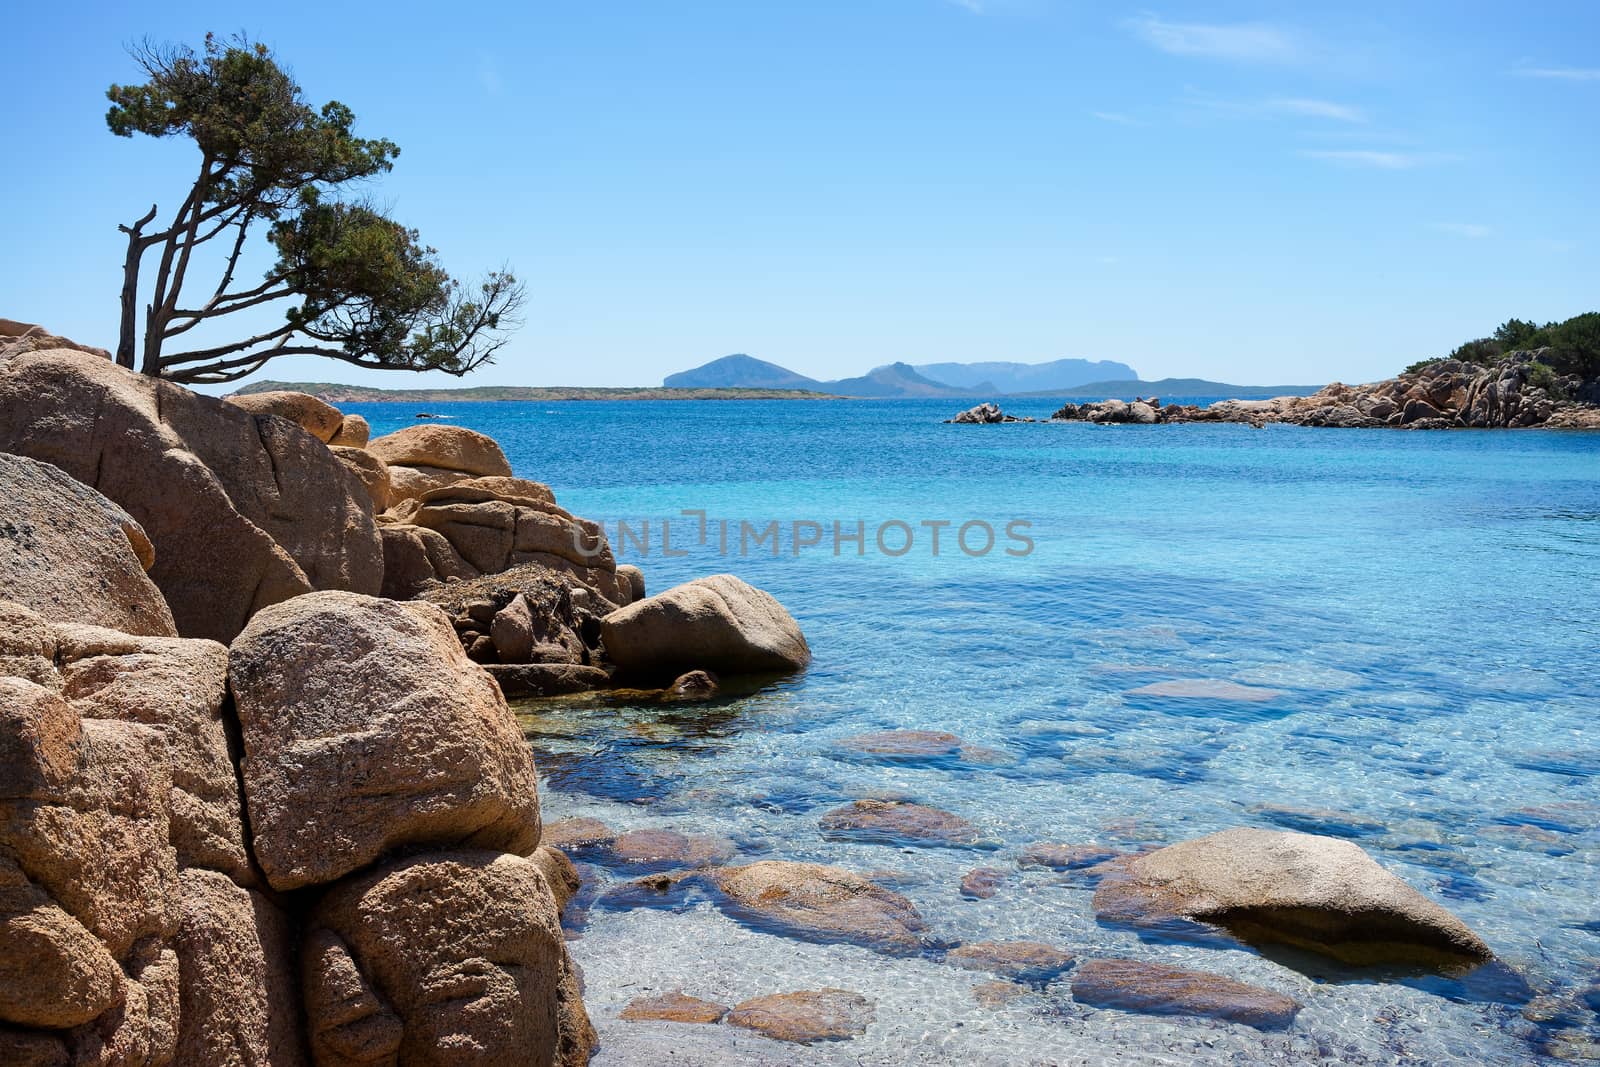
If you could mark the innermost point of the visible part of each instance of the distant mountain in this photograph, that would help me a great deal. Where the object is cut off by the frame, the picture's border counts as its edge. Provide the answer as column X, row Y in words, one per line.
column 999, row 377
column 893, row 380
column 1175, row 387
column 739, row 371
column 1062, row 377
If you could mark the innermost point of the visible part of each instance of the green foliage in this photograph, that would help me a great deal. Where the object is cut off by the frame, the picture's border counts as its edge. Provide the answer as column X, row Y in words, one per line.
column 1565, row 348
column 1574, row 345
column 1514, row 334
column 354, row 284
column 1545, row 377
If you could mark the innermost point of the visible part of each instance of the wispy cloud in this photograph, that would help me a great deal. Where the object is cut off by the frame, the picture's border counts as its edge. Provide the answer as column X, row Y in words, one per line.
column 1366, row 157
column 1316, row 109
column 1252, row 42
column 1472, row 230
column 1567, row 74
column 977, row 7
column 1277, row 107
column 1117, row 117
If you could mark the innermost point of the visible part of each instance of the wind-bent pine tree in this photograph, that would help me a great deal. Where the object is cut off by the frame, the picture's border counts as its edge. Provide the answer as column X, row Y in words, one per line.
column 354, row 285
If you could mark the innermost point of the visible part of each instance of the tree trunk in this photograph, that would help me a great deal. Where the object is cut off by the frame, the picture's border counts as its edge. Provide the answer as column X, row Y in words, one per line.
column 130, row 289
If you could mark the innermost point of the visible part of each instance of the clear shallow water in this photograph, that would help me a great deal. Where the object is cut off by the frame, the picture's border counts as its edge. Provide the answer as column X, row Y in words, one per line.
column 1425, row 603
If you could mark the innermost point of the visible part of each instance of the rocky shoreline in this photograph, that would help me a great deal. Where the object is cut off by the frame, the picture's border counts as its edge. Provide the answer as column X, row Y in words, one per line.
column 263, row 800
column 1517, row 392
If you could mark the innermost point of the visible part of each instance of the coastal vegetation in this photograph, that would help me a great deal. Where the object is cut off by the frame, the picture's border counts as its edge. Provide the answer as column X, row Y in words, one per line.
column 1571, row 347
column 353, row 284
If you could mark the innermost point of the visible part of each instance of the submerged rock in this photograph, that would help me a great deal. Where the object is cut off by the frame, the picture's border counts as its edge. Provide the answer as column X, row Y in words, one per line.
column 806, row 1017
column 1060, row 857
column 981, row 883
column 896, row 822
column 1031, row 962
column 932, row 747
column 1276, row 887
column 813, row 902
column 1206, row 689
column 674, row 1007
column 1160, row 990
column 577, row 835
column 718, row 623
column 903, row 744
column 657, row 849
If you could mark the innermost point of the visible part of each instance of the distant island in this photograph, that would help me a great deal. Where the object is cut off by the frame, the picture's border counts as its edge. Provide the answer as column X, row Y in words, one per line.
column 335, row 393
column 1061, row 377
column 903, row 380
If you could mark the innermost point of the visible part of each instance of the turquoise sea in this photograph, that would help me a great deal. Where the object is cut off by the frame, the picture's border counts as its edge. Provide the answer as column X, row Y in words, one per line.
column 1423, row 605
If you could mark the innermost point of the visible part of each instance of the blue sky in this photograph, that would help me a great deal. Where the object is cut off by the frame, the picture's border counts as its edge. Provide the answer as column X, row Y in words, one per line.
column 1253, row 192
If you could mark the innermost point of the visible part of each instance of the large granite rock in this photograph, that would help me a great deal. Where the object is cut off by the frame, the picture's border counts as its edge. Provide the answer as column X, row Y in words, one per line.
column 238, row 997
column 414, row 558
column 74, row 556
column 442, row 960
column 178, row 687
column 813, row 902
column 718, row 623
column 365, row 728
column 317, row 417
column 454, row 448
column 243, row 510
column 494, row 534
column 495, row 524
column 373, row 472
column 19, row 337
column 429, row 457
column 1277, row 887
column 354, row 432
column 88, row 886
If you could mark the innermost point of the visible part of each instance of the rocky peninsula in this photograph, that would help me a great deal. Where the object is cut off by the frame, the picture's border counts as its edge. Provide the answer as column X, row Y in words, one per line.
column 1516, row 392
column 263, row 800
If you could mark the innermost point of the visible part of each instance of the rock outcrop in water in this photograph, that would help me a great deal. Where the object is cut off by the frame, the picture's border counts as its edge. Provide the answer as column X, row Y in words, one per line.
column 986, row 413
column 1321, row 894
column 1516, row 392
column 718, row 623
